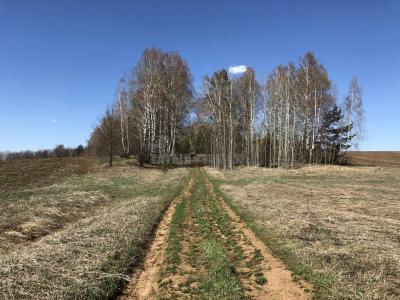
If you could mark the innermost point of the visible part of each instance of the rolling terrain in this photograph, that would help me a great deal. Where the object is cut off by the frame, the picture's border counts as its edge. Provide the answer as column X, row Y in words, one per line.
column 78, row 237
column 75, row 229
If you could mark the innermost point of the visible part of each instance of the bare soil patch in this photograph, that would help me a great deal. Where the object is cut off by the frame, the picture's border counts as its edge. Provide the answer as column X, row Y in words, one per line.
column 375, row 158
column 29, row 173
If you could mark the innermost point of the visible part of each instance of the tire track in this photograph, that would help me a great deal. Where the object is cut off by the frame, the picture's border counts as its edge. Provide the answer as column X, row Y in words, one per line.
column 144, row 282
column 279, row 282
column 215, row 255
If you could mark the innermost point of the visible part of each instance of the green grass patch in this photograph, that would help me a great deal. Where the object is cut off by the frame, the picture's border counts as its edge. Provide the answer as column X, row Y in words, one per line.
column 220, row 283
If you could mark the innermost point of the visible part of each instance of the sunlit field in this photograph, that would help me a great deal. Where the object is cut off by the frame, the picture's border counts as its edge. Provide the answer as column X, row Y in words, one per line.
column 337, row 226
column 80, row 236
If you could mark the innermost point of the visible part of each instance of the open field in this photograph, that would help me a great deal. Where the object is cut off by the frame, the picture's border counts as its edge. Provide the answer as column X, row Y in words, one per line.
column 199, row 150
column 326, row 232
column 79, row 237
column 30, row 173
column 338, row 227
column 85, row 236
column 375, row 158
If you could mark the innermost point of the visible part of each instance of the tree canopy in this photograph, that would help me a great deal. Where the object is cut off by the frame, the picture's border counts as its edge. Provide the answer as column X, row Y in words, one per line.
column 293, row 117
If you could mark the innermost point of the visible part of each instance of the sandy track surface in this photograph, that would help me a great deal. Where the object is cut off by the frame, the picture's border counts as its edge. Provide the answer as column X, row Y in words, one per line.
column 206, row 217
column 280, row 284
column 143, row 284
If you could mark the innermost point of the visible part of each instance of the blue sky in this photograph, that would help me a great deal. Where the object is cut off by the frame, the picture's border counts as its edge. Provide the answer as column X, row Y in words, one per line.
column 60, row 61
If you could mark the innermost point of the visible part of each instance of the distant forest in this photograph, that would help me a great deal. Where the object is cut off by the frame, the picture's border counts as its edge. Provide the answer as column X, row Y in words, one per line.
column 294, row 117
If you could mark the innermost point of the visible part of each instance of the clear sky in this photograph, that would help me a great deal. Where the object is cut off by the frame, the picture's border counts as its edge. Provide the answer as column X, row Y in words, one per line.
column 60, row 61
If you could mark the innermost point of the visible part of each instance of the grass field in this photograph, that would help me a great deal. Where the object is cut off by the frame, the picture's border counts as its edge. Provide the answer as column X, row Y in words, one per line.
column 75, row 229
column 78, row 237
column 338, row 227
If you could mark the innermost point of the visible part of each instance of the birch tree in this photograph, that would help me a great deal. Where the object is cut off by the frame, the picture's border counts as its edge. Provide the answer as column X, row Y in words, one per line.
column 354, row 111
column 248, row 106
column 314, row 96
column 122, row 108
column 290, row 119
column 163, row 91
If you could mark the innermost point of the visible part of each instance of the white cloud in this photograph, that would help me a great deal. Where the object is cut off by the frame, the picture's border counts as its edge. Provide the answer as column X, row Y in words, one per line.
column 54, row 120
column 237, row 69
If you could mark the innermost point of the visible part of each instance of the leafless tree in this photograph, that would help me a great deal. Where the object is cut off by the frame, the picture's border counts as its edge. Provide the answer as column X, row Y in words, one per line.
column 105, row 134
column 354, row 111
column 280, row 123
column 122, row 110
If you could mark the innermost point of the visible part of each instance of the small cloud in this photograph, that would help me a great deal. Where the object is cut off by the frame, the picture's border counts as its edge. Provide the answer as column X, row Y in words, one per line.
column 54, row 120
column 237, row 69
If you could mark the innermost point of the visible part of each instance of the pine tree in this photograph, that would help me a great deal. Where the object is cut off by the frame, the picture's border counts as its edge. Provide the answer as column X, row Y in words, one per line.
column 335, row 137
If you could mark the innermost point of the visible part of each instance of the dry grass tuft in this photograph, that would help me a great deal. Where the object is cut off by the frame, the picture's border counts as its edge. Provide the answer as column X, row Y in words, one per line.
column 73, row 259
column 24, row 220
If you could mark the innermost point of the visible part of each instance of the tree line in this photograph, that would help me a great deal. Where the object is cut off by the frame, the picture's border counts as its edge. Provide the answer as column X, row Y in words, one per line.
column 292, row 117
column 58, row 151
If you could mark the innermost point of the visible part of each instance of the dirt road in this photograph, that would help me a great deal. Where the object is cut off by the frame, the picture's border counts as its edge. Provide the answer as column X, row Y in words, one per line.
column 203, row 250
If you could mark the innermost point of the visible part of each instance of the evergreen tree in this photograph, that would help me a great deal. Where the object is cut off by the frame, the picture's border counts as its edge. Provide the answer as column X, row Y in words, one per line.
column 335, row 137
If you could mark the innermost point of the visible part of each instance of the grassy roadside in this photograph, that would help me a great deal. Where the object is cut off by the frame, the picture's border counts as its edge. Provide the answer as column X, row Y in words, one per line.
column 320, row 281
column 120, row 264
column 89, row 231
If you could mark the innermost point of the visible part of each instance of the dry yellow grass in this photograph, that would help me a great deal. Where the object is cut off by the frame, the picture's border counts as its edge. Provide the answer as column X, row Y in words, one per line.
column 77, row 238
column 341, row 221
